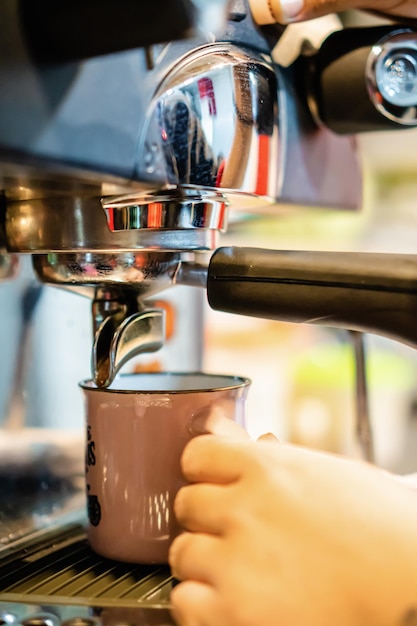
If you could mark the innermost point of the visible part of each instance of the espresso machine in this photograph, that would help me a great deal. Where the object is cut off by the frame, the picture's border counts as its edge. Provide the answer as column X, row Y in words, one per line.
column 131, row 135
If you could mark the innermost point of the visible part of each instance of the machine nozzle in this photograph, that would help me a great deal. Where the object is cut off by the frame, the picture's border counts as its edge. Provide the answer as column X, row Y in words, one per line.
column 120, row 338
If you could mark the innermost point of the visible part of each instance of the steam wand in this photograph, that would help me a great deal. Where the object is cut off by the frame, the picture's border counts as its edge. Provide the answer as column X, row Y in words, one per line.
column 363, row 422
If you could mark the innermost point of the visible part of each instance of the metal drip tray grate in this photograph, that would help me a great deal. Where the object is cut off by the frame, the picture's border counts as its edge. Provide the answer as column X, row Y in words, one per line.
column 61, row 568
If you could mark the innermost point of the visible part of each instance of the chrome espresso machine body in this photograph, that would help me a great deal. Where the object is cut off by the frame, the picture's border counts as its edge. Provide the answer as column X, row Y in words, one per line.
column 129, row 135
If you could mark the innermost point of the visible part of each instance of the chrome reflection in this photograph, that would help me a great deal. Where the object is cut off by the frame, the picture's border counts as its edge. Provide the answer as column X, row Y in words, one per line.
column 214, row 123
column 170, row 209
column 170, row 220
column 157, row 523
column 391, row 76
column 148, row 272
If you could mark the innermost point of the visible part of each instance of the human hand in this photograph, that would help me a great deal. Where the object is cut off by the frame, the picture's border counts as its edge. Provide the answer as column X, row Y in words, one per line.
column 284, row 11
column 282, row 535
column 213, row 421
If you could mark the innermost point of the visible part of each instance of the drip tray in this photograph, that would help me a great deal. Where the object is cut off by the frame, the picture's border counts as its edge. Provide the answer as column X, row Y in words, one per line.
column 58, row 580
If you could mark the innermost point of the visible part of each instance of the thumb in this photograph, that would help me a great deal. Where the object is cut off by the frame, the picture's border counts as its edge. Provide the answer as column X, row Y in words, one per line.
column 214, row 420
column 268, row 437
column 285, row 11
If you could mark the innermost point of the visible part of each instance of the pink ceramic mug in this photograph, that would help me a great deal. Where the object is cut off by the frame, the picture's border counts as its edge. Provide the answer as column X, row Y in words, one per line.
column 136, row 432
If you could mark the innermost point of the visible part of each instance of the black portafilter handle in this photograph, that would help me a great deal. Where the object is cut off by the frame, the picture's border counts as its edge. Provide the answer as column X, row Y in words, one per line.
column 367, row 292
column 365, row 79
column 58, row 31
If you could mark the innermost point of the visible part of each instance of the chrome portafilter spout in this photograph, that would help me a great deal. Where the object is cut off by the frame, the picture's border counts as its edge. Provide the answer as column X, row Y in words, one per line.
column 119, row 252
column 119, row 285
column 123, row 328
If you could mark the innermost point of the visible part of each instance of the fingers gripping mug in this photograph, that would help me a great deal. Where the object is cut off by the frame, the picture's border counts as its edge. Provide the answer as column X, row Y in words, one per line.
column 136, row 432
